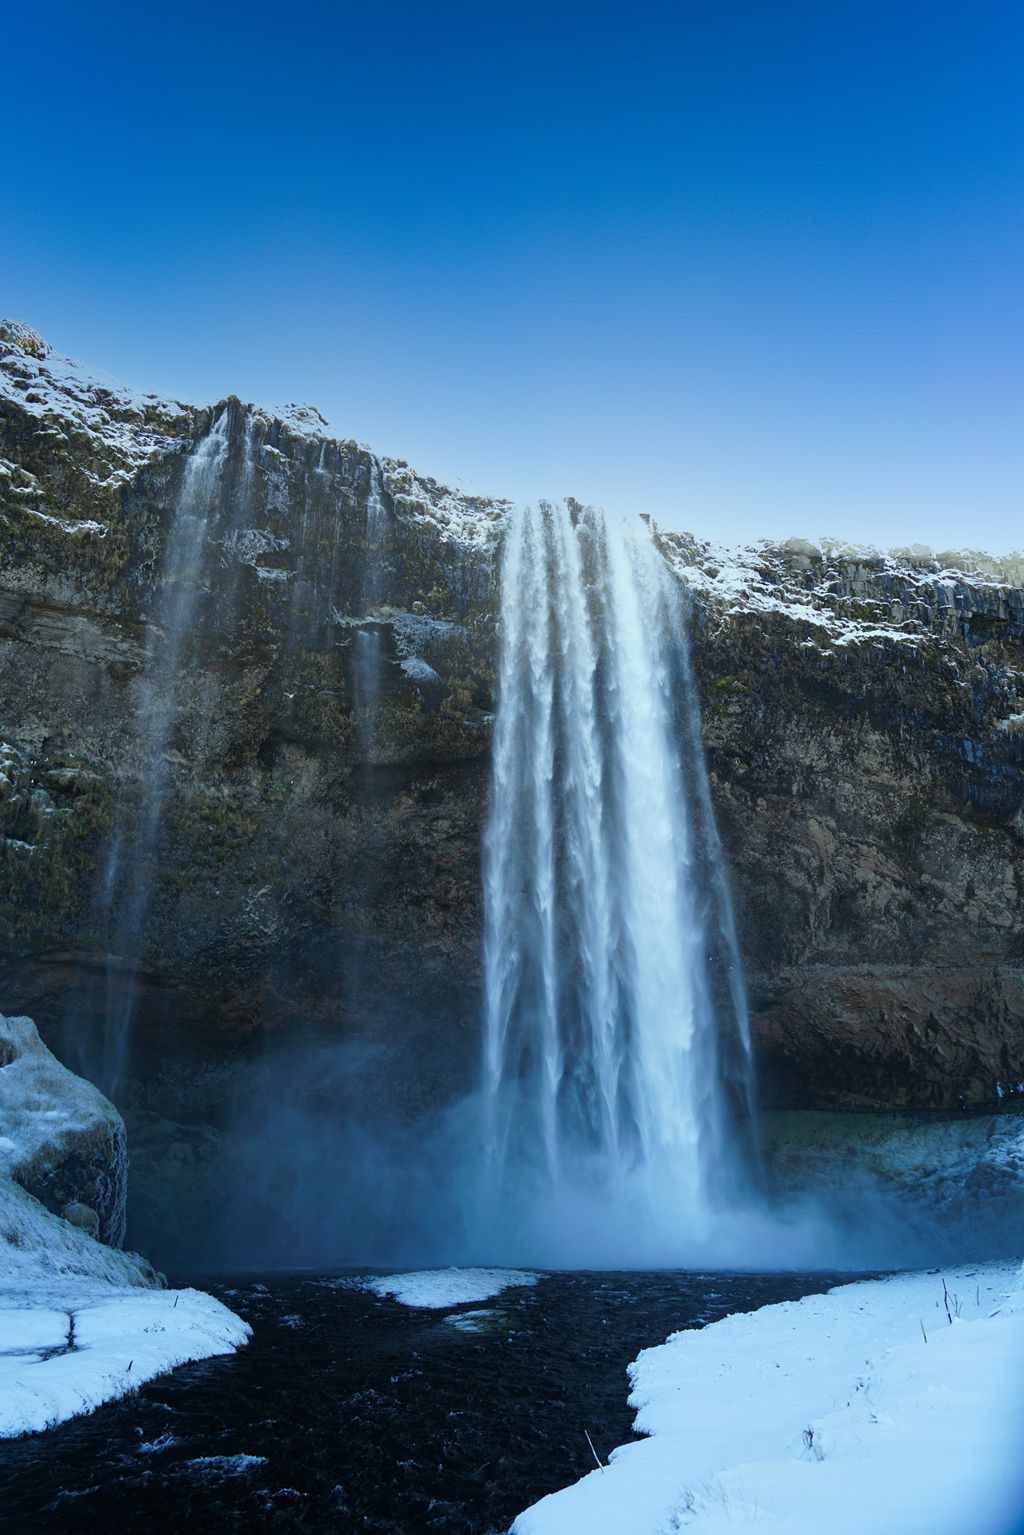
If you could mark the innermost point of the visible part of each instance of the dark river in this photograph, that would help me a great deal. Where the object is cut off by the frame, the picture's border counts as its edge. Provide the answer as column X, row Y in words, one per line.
column 350, row 1412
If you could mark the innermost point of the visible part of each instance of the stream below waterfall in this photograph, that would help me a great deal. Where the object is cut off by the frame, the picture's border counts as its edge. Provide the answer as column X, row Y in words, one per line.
column 350, row 1412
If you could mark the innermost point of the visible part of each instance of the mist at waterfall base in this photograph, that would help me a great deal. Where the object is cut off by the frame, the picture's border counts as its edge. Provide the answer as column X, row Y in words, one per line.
column 322, row 1170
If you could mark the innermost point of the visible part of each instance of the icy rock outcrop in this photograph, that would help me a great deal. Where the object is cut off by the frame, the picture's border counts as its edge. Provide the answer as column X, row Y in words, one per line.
column 45, row 1257
column 81, row 1323
column 60, row 1139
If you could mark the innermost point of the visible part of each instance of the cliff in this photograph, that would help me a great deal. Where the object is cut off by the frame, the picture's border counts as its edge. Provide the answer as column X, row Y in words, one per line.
column 323, row 763
column 864, row 723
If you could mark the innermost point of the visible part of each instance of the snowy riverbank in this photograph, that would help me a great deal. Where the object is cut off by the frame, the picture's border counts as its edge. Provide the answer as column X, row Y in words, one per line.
column 866, row 1408
column 82, row 1324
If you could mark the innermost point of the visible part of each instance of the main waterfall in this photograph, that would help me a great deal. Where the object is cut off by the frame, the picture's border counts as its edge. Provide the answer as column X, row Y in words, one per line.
column 617, row 1057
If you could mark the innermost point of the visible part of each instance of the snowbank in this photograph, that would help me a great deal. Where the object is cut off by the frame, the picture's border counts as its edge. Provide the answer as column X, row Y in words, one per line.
column 82, row 1324
column 862, row 1409
column 437, row 1289
column 55, row 1364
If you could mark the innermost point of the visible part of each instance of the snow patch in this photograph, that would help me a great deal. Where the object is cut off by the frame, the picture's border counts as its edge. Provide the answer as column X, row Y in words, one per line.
column 249, row 545
column 472, row 1321
column 418, row 670
column 304, row 420
column 219, row 1467
column 437, row 1289
column 87, row 525
column 416, row 631
column 473, row 521
column 851, row 595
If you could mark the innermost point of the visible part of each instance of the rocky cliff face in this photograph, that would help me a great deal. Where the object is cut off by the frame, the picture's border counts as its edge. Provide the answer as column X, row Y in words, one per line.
column 864, row 721
column 324, row 744
column 323, row 760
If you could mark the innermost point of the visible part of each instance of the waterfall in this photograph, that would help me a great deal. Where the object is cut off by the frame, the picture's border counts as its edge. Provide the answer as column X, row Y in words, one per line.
column 368, row 662
column 373, row 543
column 616, row 1047
column 130, row 866
column 369, row 647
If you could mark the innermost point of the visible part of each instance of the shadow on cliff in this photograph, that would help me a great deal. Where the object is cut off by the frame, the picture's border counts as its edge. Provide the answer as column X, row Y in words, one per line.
column 313, row 1164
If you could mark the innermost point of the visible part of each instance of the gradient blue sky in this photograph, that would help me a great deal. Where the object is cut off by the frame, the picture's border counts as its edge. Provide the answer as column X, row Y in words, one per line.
column 754, row 268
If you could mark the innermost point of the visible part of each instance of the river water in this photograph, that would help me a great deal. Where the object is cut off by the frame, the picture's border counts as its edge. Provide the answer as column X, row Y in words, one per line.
column 350, row 1412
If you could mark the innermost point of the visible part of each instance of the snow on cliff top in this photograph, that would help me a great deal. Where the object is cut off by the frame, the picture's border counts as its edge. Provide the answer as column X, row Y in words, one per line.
column 82, row 406
column 852, row 594
column 466, row 519
column 126, row 428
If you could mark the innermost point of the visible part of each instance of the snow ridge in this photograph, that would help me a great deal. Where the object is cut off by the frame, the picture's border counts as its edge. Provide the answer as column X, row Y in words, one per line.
column 849, row 595
column 113, row 430
column 891, row 1405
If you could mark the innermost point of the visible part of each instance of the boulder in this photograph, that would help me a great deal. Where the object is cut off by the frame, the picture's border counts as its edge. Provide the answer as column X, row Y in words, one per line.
column 60, row 1139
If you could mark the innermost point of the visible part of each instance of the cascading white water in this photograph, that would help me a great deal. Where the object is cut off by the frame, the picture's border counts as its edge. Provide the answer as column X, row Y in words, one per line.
column 616, row 1047
column 376, row 528
column 369, row 647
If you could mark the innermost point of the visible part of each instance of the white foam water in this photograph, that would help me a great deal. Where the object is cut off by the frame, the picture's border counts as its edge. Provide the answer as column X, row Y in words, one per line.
column 616, row 1048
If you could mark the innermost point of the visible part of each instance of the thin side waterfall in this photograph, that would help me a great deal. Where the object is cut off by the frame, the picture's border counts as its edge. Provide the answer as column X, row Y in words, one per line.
column 616, row 1047
column 376, row 528
column 369, row 653
column 369, row 658
column 129, row 872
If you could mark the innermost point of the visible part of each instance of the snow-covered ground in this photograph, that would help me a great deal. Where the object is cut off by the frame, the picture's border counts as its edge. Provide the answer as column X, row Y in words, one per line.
column 100, row 1344
column 82, row 1324
column 864, row 1409
column 438, row 1289
column 80, row 1321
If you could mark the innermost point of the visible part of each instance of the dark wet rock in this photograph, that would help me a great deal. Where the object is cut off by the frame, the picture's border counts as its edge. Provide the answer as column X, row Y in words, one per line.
column 965, row 1175
column 82, row 1216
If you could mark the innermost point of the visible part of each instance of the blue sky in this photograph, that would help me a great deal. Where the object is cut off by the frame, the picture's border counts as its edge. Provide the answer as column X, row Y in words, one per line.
column 754, row 268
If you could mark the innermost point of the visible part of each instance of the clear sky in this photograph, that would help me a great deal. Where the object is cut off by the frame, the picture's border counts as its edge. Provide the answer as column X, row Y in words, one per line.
column 755, row 268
